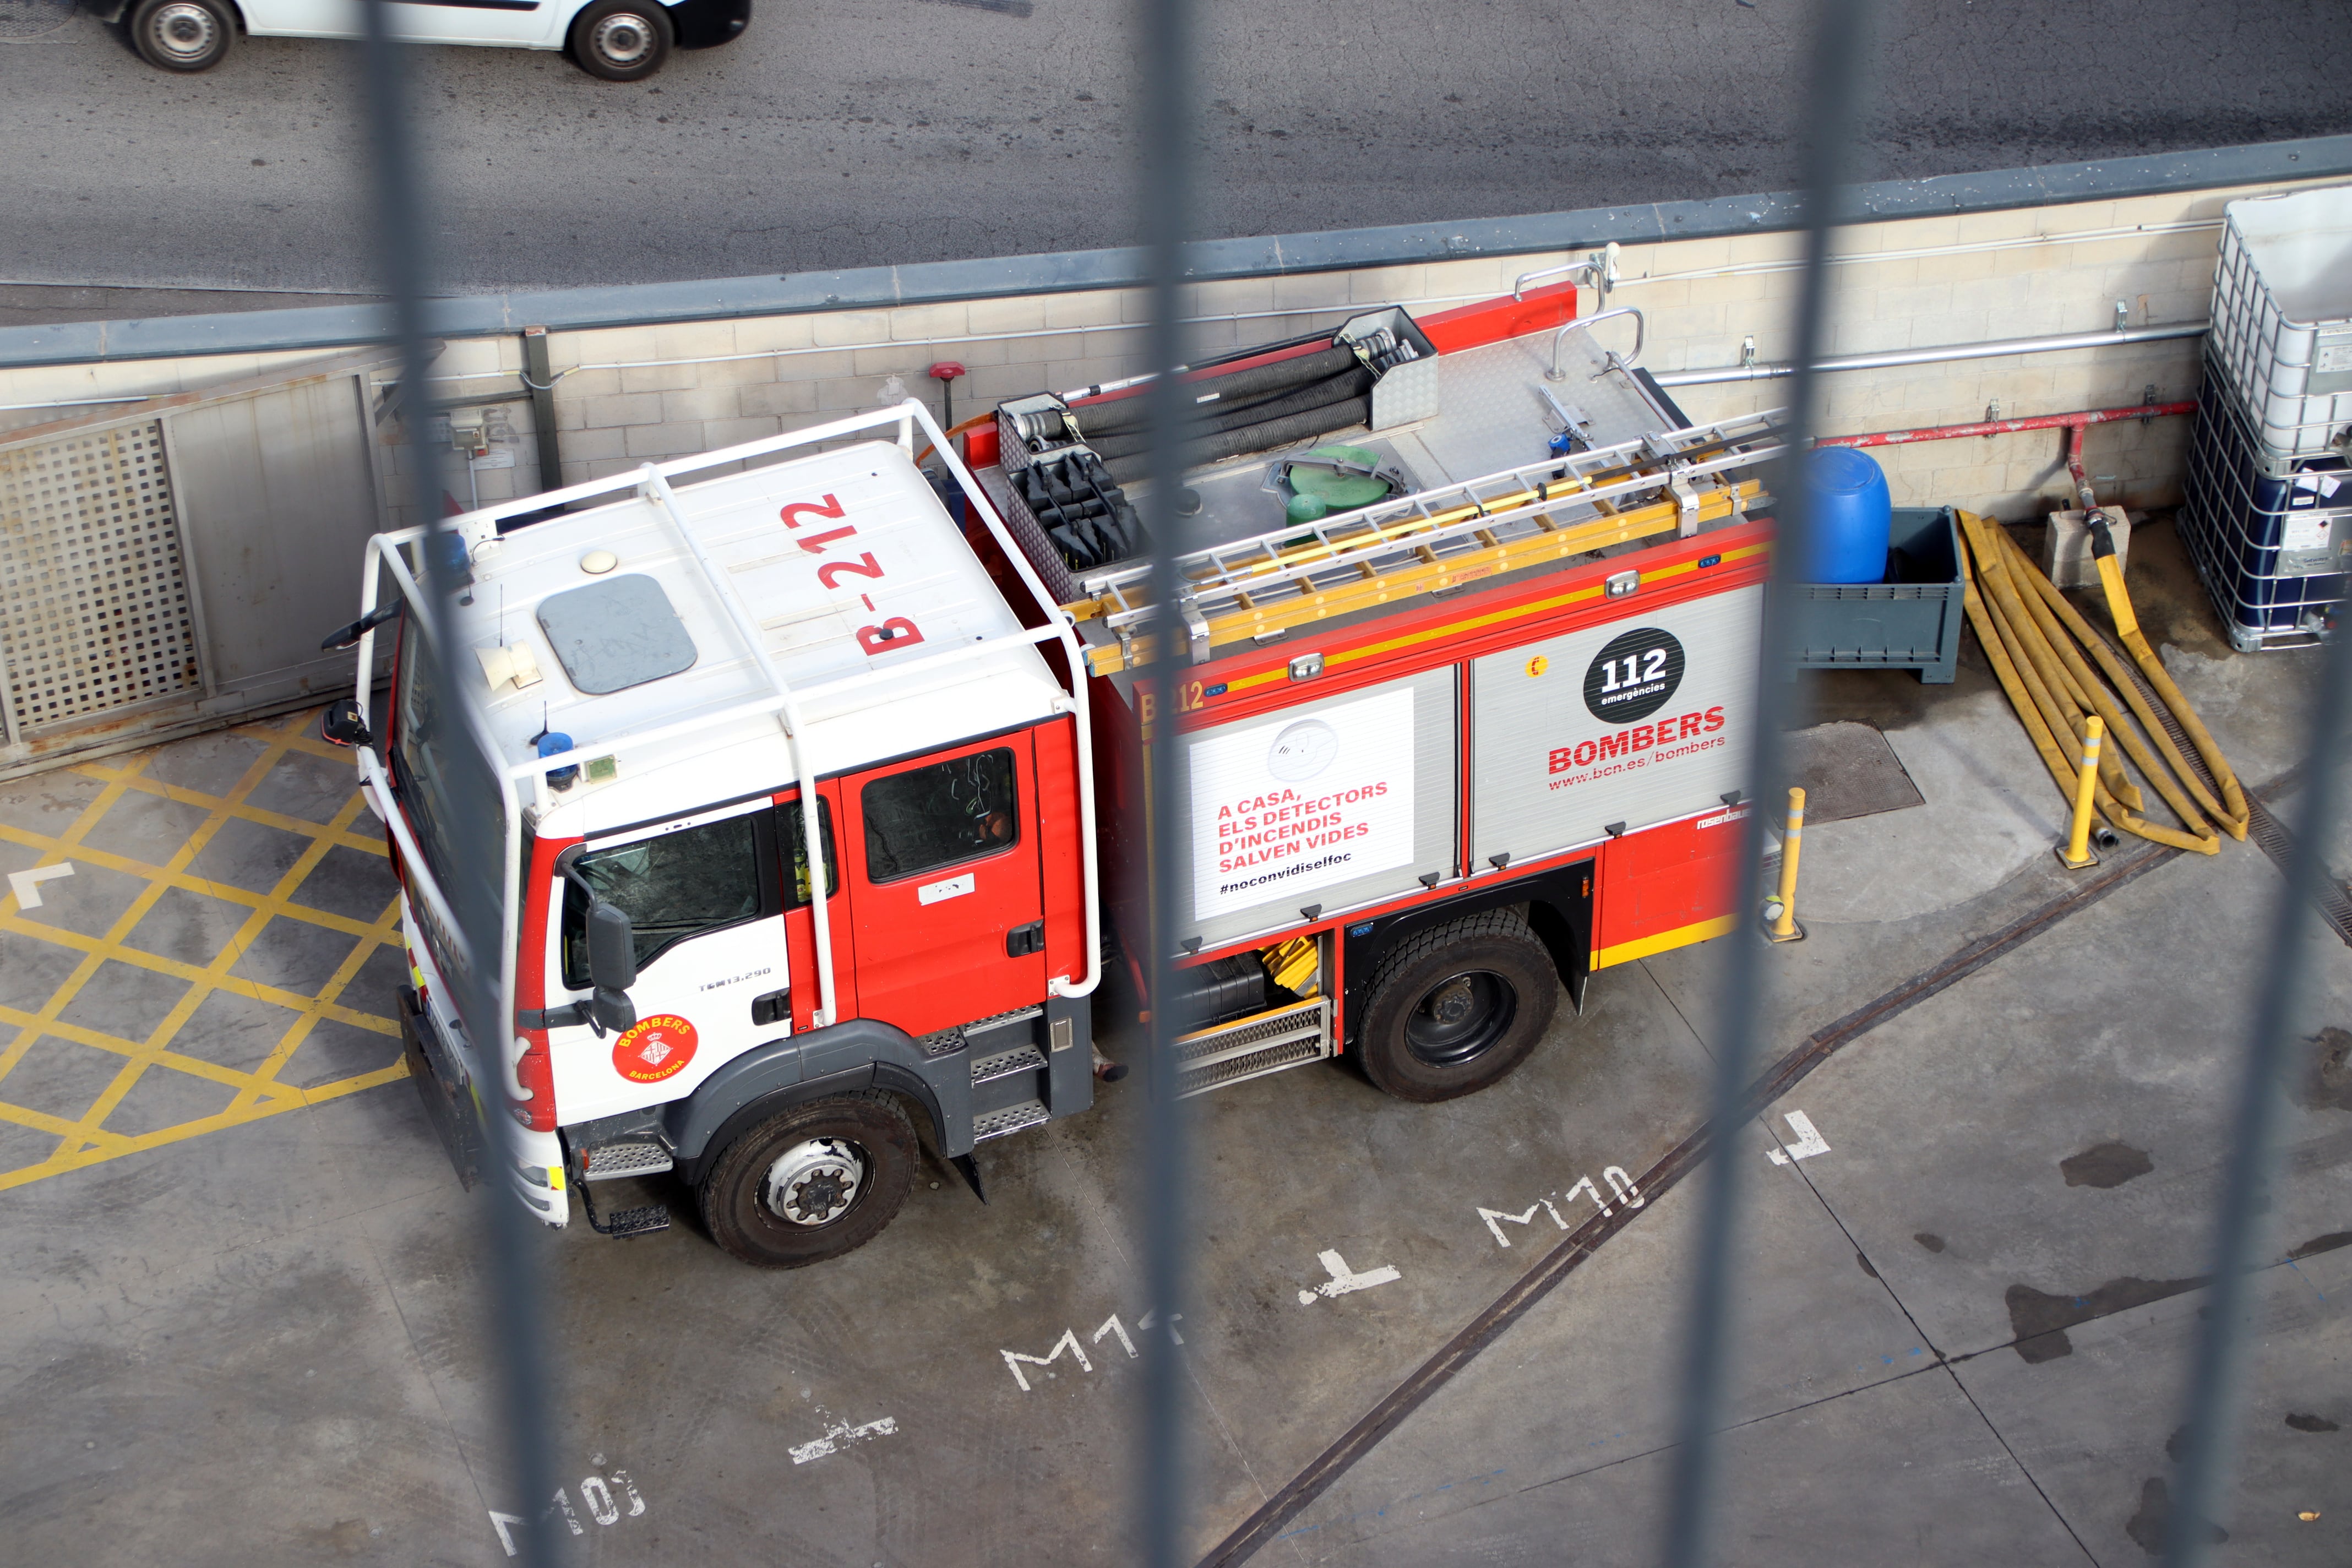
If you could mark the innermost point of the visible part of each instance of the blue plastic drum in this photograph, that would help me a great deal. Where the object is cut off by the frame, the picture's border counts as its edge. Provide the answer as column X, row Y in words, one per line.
column 1851, row 511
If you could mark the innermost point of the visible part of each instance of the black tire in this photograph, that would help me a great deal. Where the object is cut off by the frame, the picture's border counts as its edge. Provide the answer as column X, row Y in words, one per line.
column 866, row 1129
column 182, row 35
column 621, row 40
column 1457, row 1009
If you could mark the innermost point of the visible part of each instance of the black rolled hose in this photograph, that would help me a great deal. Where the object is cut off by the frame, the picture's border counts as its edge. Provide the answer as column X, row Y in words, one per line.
column 1272, row 433
column 1342, row 388
column 1131, row 413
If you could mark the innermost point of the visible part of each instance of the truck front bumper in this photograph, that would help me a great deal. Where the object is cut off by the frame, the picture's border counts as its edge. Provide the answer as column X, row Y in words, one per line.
column 534, row 1160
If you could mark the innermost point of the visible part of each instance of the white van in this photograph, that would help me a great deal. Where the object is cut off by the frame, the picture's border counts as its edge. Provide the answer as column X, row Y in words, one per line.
column 620, row 40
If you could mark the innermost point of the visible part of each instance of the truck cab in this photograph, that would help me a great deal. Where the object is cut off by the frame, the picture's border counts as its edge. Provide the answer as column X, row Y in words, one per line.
column 785, row 819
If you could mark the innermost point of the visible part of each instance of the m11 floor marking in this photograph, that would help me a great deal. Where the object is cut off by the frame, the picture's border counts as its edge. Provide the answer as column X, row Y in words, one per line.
column 25, row 885
column 1344, row 1278
column 1808, row 1144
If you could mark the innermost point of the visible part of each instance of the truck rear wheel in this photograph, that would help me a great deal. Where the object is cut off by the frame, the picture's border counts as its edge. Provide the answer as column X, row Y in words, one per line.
column 1456, row 1008
column 621, row 40
column 811, row 1182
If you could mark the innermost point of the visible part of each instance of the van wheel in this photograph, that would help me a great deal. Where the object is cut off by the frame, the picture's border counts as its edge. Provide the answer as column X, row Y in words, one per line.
column 815, row 1182
column 182, row 35
column 1456, row 1008
column 621, row 40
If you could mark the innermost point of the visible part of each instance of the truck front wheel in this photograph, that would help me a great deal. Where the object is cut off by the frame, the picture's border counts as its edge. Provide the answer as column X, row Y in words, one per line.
column 182, row 35
column 1456, row 1008
column 813, row 1183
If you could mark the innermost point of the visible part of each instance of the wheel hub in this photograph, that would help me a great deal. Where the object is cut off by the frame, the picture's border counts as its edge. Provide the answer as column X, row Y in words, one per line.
column 623, row 41
column 1460, row 1017
column 816, row 1182
column 1453, row 1001
column 183, row 30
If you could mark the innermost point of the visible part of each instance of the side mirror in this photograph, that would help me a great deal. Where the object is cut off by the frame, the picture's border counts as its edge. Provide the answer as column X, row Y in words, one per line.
column 612, row 950
column 349, row 637
column 343, row 725
column 611, row 1010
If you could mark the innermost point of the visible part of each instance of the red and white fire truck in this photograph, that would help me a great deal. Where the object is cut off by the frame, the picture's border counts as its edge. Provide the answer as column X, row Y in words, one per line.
column 1462, row 673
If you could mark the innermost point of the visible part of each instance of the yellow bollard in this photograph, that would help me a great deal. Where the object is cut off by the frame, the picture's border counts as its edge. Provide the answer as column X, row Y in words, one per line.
column 1781, row 912
column 2077, row 853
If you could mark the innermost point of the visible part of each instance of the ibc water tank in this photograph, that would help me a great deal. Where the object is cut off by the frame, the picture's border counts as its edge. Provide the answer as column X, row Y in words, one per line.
column 1851, row 512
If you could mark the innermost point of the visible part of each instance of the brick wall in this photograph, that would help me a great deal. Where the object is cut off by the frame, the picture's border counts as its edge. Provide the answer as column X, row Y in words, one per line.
column 631, row 394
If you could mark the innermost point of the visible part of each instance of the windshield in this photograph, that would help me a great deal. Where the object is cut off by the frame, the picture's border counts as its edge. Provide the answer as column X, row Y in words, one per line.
column 442, row 781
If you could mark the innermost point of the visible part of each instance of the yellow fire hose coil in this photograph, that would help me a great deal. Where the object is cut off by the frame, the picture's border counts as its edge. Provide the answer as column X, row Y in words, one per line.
column 2058, row 672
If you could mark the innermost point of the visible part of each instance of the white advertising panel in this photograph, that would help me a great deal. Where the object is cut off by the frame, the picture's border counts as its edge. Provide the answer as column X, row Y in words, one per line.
column 1638, row 720
column 1301, row 801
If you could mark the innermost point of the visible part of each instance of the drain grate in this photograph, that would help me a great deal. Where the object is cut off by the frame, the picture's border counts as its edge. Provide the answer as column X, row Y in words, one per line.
column 32, row 18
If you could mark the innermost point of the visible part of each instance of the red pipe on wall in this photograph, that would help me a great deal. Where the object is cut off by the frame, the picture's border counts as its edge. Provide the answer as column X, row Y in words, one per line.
column 2076, row 421
column 2073, row 424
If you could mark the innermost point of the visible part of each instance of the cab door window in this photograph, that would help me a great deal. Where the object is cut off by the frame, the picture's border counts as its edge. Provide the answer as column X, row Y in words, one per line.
column 674, row 886
column 795, row 847
column 926, row 818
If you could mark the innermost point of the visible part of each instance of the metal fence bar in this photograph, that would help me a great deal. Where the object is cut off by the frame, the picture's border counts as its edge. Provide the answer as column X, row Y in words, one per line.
column 510, row 1240
column 1839, row 56
column 2219, row 1364
column 1165, row 197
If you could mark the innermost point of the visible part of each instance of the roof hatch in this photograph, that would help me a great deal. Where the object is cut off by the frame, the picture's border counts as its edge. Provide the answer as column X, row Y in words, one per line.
column 616, row 634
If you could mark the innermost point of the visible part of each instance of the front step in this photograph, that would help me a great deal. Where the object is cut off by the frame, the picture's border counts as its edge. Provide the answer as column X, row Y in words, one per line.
column 1005, row 1064
column 1011, row 1118
column 622, row 1224
column 633, row 1157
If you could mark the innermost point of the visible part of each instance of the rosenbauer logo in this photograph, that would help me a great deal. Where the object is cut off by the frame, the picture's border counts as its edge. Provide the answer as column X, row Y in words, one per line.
column 1634, row 676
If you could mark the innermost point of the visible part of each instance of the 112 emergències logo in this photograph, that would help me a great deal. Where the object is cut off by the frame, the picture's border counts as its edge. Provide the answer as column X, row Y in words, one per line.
column 1632, row 678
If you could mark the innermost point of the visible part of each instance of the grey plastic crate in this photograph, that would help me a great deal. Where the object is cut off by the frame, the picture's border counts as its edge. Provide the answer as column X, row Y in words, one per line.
column 1911, row 622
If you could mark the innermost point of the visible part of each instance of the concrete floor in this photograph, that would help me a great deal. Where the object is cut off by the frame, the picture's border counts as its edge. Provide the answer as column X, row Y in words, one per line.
column 243, row 1319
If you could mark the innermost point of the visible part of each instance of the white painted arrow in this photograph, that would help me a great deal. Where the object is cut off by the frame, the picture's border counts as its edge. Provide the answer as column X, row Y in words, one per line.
column 1344, row 1278
column 25, row 885
column 1808, row 1144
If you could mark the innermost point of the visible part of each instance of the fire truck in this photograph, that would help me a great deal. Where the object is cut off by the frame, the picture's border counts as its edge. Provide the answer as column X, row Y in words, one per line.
column 808, row 786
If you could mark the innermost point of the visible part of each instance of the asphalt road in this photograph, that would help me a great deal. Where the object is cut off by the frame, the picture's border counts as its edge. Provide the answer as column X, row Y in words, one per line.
column 847, row 132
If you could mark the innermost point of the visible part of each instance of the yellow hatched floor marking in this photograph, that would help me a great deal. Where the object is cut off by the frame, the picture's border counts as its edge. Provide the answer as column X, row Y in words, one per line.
column 85, row 1140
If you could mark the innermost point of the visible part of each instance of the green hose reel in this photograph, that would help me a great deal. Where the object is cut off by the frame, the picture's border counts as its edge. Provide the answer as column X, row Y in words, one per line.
column 1333, row 479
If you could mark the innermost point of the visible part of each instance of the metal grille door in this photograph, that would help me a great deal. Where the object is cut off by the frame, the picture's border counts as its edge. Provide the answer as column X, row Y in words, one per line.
column 95, row 612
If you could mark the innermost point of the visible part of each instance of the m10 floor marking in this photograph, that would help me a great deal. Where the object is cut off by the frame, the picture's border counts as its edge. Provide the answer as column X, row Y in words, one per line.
column 1344, row 1278
column 1068, row 1343
column 1808, row 1144
column 1621, row 1186
column 840, row 1435
column 595, row 1496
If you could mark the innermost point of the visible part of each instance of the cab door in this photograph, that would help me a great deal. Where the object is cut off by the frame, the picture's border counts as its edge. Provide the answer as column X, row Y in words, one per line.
column 704, row 894
column 946, row 895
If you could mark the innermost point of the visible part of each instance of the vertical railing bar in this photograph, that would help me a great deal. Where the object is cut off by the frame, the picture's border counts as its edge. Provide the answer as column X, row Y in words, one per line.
column 1165, row 192
column 2218, row 1364
column 1838, row 54
column 509, row 1258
